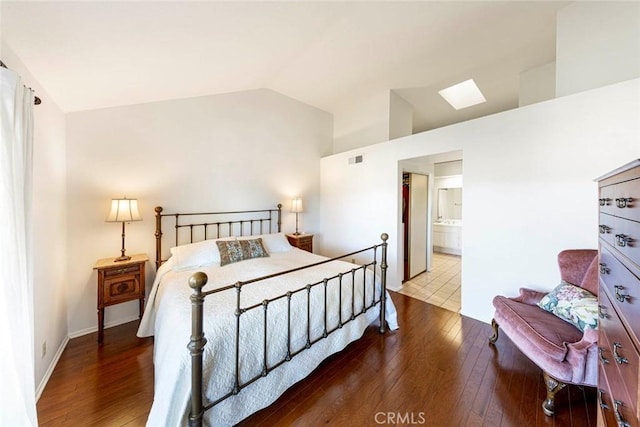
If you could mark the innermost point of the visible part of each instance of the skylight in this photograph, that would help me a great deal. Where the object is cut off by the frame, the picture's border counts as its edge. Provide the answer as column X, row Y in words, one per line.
column 463, row 95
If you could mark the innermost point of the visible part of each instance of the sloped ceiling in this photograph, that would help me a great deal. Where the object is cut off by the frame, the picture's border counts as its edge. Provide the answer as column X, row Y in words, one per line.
column 100, row 54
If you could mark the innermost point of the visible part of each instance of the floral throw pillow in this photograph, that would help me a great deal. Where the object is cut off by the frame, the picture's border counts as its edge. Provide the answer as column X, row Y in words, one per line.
column 237, row 250
column 573, row 304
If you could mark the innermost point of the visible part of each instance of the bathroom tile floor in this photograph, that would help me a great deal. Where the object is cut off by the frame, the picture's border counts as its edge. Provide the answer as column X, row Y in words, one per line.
column 440, row 286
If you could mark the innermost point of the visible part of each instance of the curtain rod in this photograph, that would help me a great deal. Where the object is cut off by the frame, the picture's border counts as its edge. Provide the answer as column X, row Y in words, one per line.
column 36, row 100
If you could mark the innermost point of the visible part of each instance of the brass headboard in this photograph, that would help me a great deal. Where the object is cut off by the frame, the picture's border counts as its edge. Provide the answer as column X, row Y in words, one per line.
column 198, row 226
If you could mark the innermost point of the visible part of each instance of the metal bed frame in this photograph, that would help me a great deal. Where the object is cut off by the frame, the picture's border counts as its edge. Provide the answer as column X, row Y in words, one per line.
column 236, row 224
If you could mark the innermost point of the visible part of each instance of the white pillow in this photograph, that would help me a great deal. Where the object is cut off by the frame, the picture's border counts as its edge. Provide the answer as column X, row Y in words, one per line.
column 275, row 242
column 196, row 254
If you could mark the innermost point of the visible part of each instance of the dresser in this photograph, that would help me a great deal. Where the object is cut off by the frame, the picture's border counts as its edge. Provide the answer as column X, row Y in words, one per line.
column 119, row 282
column 619, row 297
column 301, row 241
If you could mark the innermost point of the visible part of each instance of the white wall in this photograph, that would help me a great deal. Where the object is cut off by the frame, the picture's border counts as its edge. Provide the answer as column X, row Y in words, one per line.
column 400, row 116
column 537, row 84
column 597, row 43
column 49, row 224
column 227, row 152
column 528, row 188
column 364, row 122
column 378, row 117
column 448, row 169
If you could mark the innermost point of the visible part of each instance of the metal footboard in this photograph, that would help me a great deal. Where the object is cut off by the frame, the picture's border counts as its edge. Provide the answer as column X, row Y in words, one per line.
column 346, row 279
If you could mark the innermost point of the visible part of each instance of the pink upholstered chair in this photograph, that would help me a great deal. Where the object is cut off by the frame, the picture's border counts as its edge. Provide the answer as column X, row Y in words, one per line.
column 564, row 353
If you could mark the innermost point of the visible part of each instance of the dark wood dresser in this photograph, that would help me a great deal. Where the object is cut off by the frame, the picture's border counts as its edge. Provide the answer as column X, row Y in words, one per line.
column 619, row 297
column 119, row 282
column 301, row 241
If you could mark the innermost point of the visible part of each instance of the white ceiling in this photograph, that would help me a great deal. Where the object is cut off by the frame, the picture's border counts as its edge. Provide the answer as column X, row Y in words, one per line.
column 91, row 54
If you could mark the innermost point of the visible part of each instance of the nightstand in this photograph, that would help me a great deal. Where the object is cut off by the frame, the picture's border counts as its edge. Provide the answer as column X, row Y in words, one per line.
column 301, row 241
column 119, row 282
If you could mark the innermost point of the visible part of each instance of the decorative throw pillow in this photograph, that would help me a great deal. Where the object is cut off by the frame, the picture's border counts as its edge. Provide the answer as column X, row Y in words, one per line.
column 273, row 243
column 573, row 304
column 238, row 250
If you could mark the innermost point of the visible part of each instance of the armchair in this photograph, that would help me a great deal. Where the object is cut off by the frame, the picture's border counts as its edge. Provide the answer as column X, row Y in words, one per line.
column 565, row 354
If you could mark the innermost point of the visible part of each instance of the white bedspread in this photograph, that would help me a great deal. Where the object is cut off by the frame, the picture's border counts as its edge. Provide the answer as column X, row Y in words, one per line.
column 168, row 314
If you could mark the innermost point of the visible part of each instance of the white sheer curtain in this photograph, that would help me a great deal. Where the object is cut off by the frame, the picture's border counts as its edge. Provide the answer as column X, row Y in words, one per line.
column 17, row 387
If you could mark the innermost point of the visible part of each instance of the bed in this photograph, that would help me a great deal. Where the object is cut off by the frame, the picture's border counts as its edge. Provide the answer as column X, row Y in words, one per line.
column 253, row 327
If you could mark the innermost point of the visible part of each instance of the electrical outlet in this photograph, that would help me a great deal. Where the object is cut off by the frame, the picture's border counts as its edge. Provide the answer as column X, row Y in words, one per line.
column 44, row 349
column 353, row 260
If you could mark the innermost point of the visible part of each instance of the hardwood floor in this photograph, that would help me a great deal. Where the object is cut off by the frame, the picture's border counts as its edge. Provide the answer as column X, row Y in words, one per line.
column 108, row 385
column 437, row 370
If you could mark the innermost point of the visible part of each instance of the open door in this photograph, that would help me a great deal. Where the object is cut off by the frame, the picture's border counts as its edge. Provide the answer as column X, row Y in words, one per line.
column 414, row 216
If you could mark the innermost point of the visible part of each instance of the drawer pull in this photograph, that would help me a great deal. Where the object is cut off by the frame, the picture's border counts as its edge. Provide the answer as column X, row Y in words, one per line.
column 620, row 297
column 604, row 229
column 621, row 360
column 621, row 422
column 603, row 268
column 622, row 240
column 623, row 202
column 605, row 201
column 600, row 401
column 603, row 359
column 601, row 312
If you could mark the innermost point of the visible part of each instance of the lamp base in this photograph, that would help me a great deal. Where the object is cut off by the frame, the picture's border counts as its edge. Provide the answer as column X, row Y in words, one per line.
column 296, row 233
column 122, row 258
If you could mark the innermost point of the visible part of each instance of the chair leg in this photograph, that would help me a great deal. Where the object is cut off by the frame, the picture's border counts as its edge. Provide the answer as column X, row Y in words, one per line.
column 493, row 338
column 553, row 386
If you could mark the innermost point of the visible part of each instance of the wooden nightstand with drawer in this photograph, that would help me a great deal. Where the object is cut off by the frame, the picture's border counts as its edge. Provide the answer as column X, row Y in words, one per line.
column 301, row 241
column 119, row 282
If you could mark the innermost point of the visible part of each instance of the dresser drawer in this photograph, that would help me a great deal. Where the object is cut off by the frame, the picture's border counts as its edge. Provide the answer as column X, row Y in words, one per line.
column 121, row 288
column 626, row 199
column 613, row 401
column 622, row 234
column 119, row 271
column 306, row 245
column 605, row 402
column 605, row 200
column 623, row 287
column 616, row 347
column 621, row 199
column 607, row 228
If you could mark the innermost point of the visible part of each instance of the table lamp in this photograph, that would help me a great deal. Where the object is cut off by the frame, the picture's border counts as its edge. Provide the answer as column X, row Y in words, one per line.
column 296, row 206
column 123, row 210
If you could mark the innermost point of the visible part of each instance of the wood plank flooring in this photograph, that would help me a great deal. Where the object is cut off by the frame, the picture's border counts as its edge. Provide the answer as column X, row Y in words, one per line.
column 437, row 370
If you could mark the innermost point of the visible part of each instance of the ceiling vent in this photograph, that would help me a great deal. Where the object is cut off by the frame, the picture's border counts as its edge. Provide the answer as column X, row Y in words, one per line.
column 356, row 159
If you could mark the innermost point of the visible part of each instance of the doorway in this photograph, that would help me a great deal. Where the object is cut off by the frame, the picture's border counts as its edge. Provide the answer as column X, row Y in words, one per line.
column 415, row 223
column 440, row 283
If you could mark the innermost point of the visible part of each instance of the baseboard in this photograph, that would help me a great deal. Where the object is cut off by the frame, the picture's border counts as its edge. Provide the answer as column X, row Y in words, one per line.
column 93, row 329
column 394, row 288
column 52, row 366
column 450, row 251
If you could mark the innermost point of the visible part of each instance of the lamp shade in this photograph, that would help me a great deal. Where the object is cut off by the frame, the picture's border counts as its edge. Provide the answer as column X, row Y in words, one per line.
column 124, row 210
column 296, row 205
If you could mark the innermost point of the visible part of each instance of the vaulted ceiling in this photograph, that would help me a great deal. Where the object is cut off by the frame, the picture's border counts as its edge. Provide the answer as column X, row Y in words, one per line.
column 91, row 54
